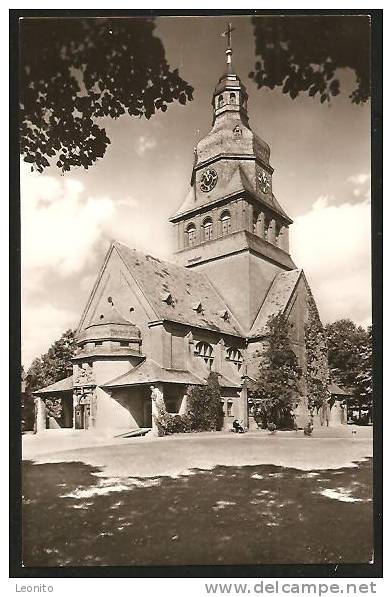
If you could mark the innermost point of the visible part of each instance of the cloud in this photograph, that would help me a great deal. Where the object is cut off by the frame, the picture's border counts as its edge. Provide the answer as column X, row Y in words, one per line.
column 144, row 144
column 43, row 324
column 359, row 179
column 360, row 185
column 60, row 225
column 64, row 235
column 332, row 244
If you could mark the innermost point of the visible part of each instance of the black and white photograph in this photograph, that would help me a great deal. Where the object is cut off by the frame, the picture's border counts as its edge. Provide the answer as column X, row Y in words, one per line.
column 197, row 320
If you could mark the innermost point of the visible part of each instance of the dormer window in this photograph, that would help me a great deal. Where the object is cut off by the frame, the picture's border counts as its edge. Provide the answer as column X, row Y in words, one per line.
column 224, row 314
column 205, row 351
column 207, row 229
column 190, row 235
column 166, row 297
column 197, row 306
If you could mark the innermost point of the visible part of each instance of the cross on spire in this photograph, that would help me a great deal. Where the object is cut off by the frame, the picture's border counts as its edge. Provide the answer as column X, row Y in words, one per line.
column 229, row 49
column 227, row 34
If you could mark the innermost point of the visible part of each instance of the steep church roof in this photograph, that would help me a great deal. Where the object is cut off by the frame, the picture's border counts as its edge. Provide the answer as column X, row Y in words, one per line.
column 276, row 300
column 186, row 288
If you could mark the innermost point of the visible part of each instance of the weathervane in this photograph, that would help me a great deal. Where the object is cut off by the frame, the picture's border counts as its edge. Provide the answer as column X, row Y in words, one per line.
column 229, row 50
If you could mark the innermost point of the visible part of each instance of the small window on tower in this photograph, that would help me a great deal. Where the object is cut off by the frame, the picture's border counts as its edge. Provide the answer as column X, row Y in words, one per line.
column 232, row 98
column 220, row 101
column 190, row 236
column 267, row 224
column 207, row 229
column 225, row 223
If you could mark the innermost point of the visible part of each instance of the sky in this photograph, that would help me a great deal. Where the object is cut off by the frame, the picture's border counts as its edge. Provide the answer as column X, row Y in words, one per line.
column 320, row 153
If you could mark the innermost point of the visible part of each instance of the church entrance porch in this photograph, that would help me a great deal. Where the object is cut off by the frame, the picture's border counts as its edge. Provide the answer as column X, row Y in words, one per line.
column 54, row 412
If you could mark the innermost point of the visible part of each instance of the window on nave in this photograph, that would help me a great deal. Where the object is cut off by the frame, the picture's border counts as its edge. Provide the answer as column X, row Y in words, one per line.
column 205, row 351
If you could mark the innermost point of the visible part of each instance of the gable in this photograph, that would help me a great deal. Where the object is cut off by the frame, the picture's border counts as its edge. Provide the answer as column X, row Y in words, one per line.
column 140, row 286
column 116, row 283
column 276, row 300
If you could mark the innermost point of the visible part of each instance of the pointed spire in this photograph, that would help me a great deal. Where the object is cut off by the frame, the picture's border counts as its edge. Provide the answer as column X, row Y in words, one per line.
column 229, row 49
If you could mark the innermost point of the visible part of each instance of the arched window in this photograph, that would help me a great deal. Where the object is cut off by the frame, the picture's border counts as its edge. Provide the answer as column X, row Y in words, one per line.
column 225, row 223
column 278, row 228
column 232, row 98
column 255, row 221
column 207, row 229
column 190, row 235
column 229, row 408
column 220, row 101
column 204, row 350
column 267, row 223
column 235, row 356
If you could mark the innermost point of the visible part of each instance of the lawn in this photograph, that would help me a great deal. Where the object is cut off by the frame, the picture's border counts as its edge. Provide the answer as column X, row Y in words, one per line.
column 78, row 513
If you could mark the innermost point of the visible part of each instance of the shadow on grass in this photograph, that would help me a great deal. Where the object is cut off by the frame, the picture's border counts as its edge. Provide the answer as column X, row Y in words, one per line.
column 230, row 515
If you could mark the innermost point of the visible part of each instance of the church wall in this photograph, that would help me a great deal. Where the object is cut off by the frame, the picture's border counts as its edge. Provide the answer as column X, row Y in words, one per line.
column 108, row 369
column 177, row 349
column 261, row 275
column 156, row 345
column 253, row 277
column 117, row 413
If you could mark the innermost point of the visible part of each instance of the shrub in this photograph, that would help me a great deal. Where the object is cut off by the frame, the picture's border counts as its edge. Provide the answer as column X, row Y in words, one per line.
column 271, row 427
column 204, row 405
column 204, row 410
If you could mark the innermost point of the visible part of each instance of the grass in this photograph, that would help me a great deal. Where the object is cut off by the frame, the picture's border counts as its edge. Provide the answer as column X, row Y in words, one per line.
column 259, row 514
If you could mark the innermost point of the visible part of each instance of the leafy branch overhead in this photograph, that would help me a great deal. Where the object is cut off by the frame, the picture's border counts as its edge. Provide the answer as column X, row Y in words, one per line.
column 304, row 54
column 76, row 72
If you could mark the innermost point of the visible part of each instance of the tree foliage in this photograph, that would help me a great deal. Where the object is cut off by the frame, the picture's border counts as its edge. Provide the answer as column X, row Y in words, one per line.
column 275, row 393
column 54, row 365
column 304, row 54
column 350, row 358
column 344, row 341
column 317, row 371
column 74, row 72
column 364, row 377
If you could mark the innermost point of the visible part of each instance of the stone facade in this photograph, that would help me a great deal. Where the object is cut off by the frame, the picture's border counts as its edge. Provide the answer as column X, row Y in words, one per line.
column 153, row 328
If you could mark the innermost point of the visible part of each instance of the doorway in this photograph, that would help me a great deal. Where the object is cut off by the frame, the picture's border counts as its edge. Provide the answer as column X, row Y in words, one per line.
column 82, row 416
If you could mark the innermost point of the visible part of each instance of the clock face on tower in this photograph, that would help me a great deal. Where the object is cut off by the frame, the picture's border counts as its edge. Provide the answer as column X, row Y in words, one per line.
column 263, row 181
column 208, row 180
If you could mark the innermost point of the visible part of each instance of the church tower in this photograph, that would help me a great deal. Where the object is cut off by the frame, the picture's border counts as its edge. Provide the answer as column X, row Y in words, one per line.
column 230, row 225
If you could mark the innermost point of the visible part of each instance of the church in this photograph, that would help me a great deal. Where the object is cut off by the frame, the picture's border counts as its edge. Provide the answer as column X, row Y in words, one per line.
column 152, row 327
